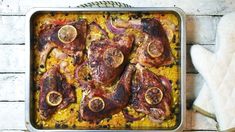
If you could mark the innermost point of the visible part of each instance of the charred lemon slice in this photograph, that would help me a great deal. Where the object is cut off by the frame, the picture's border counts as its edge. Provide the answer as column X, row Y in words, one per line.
column 155, row 48
column 153, row 95
column 113, row 57
column 96, row 104
column 54, row 98
column 67, row 33
column 82, row 73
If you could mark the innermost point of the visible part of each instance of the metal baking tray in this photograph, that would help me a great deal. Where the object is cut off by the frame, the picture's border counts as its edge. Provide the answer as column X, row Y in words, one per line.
column 29, row 107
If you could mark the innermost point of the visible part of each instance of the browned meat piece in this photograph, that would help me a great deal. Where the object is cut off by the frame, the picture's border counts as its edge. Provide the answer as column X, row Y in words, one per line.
column 98, row 104
column 155, row 51
column 48, row 39
column 155, row 48
column 150, row 95
column 107, row 58
column 54, row 82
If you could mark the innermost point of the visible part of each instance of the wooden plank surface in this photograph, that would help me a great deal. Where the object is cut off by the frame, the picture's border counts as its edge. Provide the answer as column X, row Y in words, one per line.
column 13, row 29
column 196, row 121
column 200, row 29
column 13, row 84
column 12, row 87
column 13, row 130
column 194, row 83
column 202, row 18
column 195, row 7
column 12, row 58
column 13, row 115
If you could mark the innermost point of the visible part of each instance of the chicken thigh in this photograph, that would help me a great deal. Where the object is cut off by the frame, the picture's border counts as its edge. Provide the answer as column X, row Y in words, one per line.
column 68, row 37
column 150, row 95
column 55, row 93
column 107, row 58
column 98, row 104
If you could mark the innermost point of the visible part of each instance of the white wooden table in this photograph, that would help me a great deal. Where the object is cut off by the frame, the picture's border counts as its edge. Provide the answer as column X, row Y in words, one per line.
column 202, row 18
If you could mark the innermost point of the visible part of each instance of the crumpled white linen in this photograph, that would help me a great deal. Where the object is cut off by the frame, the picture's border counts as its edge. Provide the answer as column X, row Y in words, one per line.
column 217, row 95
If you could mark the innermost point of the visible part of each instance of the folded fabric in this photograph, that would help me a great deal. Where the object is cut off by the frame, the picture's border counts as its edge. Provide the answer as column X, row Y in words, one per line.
column 203, row 102
column 218, row 70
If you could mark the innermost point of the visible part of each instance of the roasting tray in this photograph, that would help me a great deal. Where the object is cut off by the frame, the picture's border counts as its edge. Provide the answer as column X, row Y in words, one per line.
column 30, row 113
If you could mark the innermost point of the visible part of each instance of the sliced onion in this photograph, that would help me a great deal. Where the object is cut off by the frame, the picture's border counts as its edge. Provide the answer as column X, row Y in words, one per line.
column 130, row 117
column 100, row 28
column 166, row 83
column 119, row 23
column 120, row 28
column 114, row 29
column 136, row 24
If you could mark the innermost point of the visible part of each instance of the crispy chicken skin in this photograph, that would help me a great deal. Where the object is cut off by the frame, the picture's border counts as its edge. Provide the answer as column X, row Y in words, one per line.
column 141, row 83
column 100, row 71
column 106, row 65
column 155, row 34
column 48, row 39
column 113, row 102
column 53, row 80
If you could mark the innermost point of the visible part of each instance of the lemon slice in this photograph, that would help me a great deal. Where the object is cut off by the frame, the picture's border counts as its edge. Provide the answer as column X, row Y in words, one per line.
column 113, row 57
column 96, row 104
column 82, row 73
column 153, row 95
column 67, row 34
column 155, row 48
column 54, row 98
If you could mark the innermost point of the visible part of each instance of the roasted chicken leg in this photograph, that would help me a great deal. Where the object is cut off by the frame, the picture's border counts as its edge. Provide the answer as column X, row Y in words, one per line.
column 150, row 95
column 55, row 93
column 68, row 37
column 98, row 104
column 154, row 48
column 107, row 58
column 155, row 51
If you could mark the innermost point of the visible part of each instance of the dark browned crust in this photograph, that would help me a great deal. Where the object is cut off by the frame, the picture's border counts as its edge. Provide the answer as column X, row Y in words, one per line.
column 127, row 90
column 49, row 35
column 100, row 72
column 114, row 101
column 143, row 80
column 53, row 80
column 155, row 32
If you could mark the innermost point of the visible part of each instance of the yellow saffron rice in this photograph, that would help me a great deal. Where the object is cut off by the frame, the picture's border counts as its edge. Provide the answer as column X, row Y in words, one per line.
column 68, row 117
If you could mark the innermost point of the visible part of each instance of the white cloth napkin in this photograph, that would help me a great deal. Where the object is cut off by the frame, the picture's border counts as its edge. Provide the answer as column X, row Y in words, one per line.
column 203, row 102
column 218, row 70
